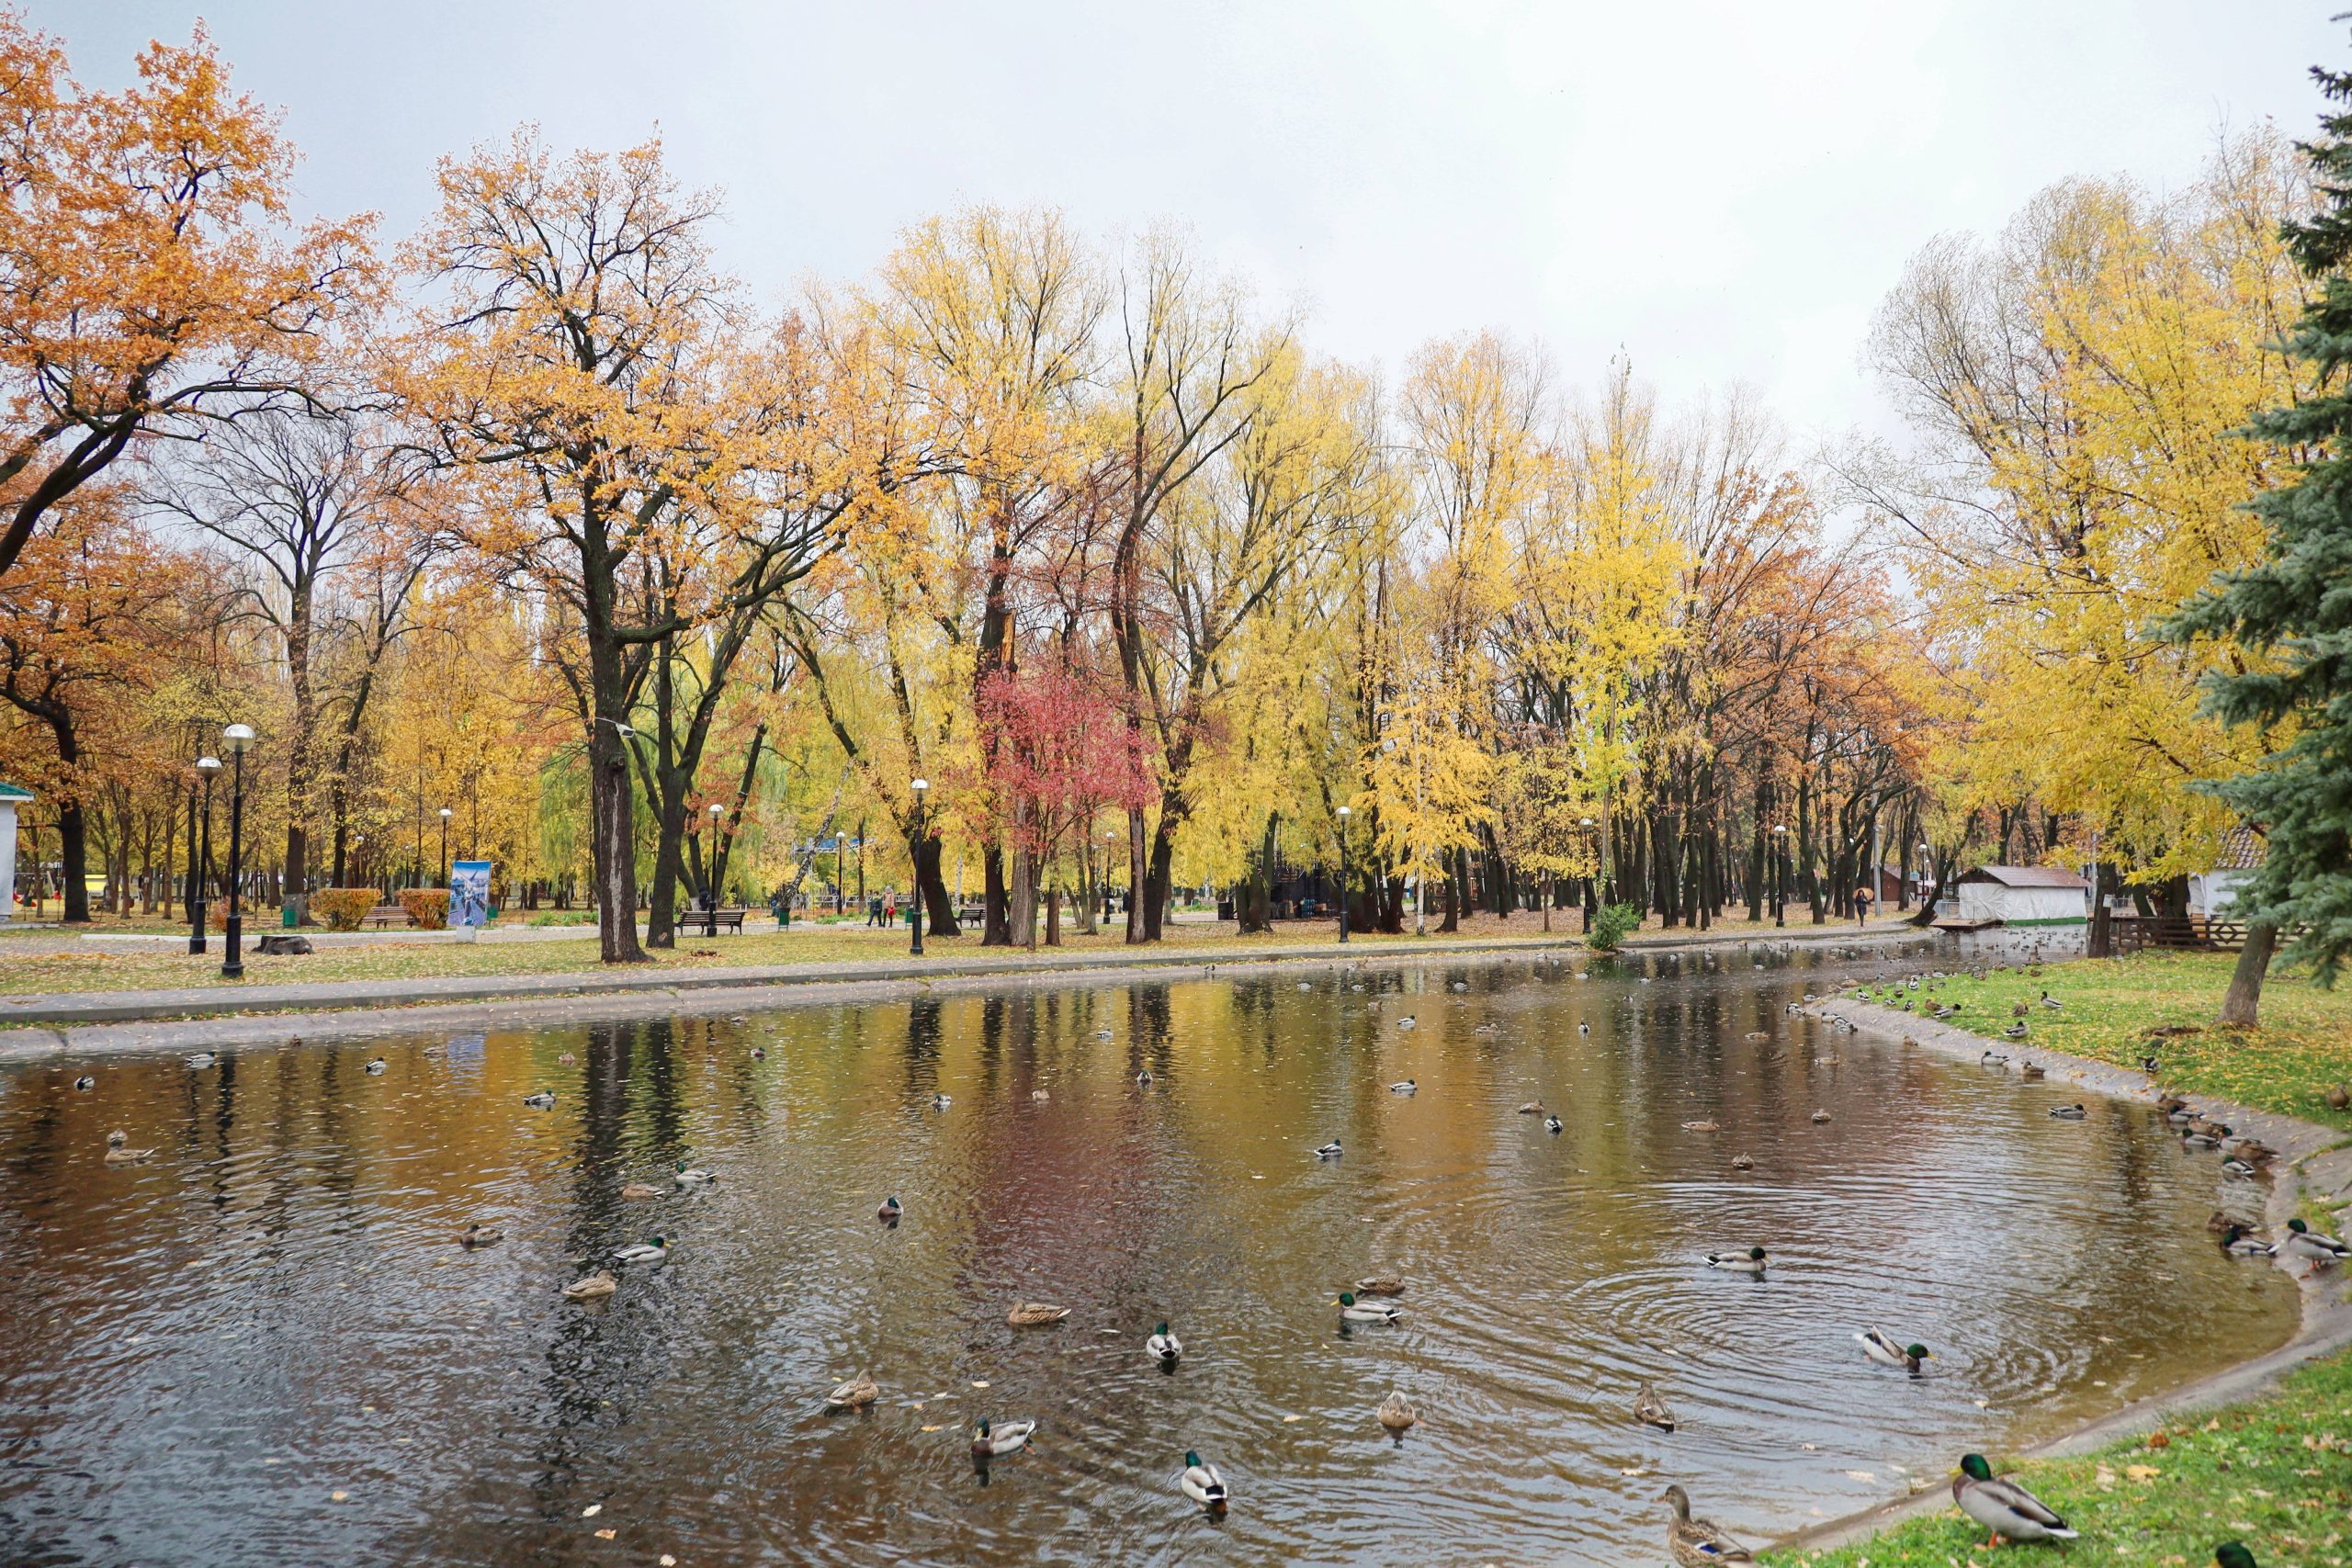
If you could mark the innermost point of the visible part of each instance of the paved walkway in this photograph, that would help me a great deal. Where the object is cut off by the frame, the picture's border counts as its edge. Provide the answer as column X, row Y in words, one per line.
column 65, row 1011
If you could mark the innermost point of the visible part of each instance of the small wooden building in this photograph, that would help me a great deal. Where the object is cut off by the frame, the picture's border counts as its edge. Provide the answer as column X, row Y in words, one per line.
column 2022, row 895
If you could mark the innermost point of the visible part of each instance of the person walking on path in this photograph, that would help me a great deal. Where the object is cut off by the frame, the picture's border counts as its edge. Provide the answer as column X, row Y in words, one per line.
column 1861, row 906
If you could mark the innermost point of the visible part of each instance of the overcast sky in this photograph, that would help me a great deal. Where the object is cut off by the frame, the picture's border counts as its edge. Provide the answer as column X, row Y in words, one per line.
column 1724, row 191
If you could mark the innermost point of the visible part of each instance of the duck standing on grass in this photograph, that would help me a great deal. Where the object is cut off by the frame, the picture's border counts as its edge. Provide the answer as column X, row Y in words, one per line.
column 1694, row 1543
column 2003, row 1507
column 2317, row 1252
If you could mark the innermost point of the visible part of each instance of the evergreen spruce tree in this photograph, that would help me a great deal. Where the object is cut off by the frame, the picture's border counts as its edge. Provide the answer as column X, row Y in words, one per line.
column 2295, row 608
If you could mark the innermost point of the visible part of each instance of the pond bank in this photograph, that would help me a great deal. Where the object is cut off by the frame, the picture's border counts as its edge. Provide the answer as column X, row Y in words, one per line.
column 132, row 1020
column 2283, row 1388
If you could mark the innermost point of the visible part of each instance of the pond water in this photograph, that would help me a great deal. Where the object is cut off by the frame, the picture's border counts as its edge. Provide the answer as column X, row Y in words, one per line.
column 266, row 1346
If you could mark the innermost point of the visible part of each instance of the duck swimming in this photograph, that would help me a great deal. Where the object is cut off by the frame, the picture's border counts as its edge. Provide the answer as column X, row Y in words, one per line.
column 1164, row 1347
column 1650, row 1410
column 541, row 1101
column 890, row 1211
column 1881, row 1347
column 1397, row 1413
column 479, row 1234
column 1404, row 1086
column 1752, row 1261
column 1694, row 1543
column 988, row 1441
column 375, row 1067
column 1354, row 1311
column 693, row 1176
column 1202, row 1484
column 855, row 1395
column 1329, row 1151
column 644, row 1253
column 119, row 1150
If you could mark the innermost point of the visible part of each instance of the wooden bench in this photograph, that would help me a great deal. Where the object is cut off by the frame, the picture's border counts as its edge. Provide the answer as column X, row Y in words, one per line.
column 386, row 915
column 711, row 919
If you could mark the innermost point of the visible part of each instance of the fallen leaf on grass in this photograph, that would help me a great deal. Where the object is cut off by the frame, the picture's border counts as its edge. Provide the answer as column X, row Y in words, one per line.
column 2142, row 1472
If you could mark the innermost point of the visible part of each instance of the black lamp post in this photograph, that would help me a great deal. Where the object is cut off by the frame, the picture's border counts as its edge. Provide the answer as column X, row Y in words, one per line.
column 233, row 966
column 1781, row 874
column 1343, row 872
column 199, row 856
column 444, row 846
column 914, row 858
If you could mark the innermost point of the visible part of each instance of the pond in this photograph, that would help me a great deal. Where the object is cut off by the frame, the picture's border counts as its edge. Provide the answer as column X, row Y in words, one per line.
column 266, row 1344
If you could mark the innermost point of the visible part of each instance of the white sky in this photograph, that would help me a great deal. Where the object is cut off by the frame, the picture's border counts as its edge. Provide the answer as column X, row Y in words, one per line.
column 1724, row 191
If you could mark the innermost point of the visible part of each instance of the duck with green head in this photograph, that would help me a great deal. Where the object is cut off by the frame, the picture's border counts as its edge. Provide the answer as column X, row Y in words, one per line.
column 1354, row 1311
column 2003, row 1507
column 2232, row 1554
column 1750, row 1262
column 1883, row 1347
column 988, row 1441
column 1203, row 1484
column 1164, row 1345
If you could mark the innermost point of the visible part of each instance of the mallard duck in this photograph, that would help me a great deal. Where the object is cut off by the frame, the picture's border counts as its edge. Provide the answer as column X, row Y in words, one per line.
column 375, row 1067
column 941, row 1101
column 759, row 1053
column 1143, row 1078
column 1461, row 985
column 1328, row 1151
column 988, row 1441
column 1584, row 1028
column 855, row 1395
column 2014, row 1031
column 2005, row 1509
column 2031, row 1072
column 1487, row 1029
column 2238, row 1170
column 1993, row 1059
column 1404, row 1086
column 1164, row 1347
column 199, row 1060
column 2317, row 1252
column 541, row 1101
column 2149, row 1065
column 479, row 1234
column 1694, row 1543
column 1750, row 1262
column 1743, row 1162
column 1555, row 1126
column 2235, row 1240
column 2168, row 1103
column 1881, row 1347
column 2232, row 1554
column 1102, row 1034
column 2254, row 1151
column 2339, row 1098
column 1396, row 1412
column 1040, row 1096
column 2052, row 1003
column 119, row 1150
column 644, row 1253
column 693, row 1176
column 1380, row 1285
column 1202, row 1484
column 1533, row 1108
column 1820, row 1116
column 595, row 1288
column 1406, row 1021
column 2075, row 1113
column 1035, row 1314
column 889, row 1212
column 638, row 1191
column 1354, row 1311
column 1703, row 1126
column 86, row 1083
column 1649, row 1409
column 1757, row 1037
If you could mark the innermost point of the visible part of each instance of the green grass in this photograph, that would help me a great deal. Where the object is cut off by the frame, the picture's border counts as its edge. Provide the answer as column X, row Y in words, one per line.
column 2303, row 1046
column 37, row 968
column 2275, row 1473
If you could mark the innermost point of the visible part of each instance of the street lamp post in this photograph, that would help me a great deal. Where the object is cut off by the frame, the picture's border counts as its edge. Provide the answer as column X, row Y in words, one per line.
column 1344, row 813
column 232, row 964
column 200, row 857
column 444, row 846
column 914, row 859
column 1781, row 874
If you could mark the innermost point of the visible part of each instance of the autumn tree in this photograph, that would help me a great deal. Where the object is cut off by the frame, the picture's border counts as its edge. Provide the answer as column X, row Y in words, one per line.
column 151, row 282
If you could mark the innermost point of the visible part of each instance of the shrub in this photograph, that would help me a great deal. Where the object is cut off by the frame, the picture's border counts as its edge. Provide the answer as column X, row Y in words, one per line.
column 342, row 909
column 1611, row 923
column 428, row 908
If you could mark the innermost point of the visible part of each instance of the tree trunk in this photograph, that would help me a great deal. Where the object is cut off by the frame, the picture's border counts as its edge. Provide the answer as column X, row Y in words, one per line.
column 995, row 925
column 935, row 896
column 2242, row 1004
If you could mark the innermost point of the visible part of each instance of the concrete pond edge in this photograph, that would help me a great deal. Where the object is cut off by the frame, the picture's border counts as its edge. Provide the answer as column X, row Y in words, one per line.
column 2326, row 1321
column 426, row 1007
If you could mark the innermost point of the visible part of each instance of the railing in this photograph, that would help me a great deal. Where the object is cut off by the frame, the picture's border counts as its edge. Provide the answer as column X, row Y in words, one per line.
column 2192, row 934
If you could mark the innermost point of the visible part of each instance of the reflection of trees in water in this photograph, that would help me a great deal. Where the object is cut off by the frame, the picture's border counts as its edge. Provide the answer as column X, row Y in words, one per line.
column 920, row 1056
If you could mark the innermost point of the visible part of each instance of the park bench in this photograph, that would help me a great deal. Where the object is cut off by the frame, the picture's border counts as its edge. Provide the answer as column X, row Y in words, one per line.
column 386, row 915
column 711, row 919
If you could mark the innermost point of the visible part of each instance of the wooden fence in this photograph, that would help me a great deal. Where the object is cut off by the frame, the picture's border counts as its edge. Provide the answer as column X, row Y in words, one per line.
column 2189, row 933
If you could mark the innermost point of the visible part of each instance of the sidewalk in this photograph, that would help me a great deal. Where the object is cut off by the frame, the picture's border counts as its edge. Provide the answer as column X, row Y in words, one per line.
column 68, row 1010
